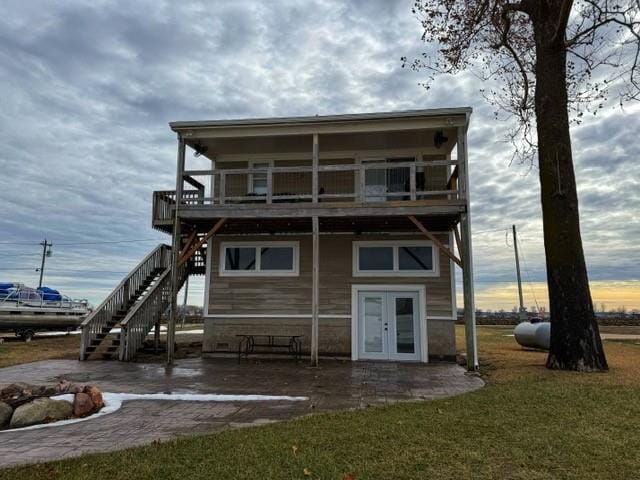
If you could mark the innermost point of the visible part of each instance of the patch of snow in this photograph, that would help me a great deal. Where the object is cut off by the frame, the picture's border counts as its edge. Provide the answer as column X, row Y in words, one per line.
column 68, row 397
column 113, row 402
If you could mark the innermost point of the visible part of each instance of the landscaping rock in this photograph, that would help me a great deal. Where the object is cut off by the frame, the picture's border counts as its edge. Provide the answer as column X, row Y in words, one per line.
column 18, row 394
column 82, row 405
column 5, row 414
column 96, row 396
column 65, row 386
column 41, row 410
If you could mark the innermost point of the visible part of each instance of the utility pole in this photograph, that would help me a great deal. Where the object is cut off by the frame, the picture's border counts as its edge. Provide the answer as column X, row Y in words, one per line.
column 45, row 253
column 521, row 313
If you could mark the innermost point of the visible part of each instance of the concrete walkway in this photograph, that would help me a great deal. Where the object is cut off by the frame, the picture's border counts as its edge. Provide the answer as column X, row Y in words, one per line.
column 335, row 385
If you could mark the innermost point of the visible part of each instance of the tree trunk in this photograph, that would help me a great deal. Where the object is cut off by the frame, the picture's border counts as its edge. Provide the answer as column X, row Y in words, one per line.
column 575, row 339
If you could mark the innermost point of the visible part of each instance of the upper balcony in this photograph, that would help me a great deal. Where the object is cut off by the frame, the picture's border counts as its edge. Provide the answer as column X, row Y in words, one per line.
column 331, row 167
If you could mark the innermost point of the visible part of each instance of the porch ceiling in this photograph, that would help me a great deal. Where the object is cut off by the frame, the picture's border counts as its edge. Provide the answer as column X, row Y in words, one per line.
column 415, row 139
column 253, row 226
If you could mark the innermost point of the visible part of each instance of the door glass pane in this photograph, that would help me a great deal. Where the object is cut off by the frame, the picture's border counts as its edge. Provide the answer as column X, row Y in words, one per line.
column 375, row 258
column 405, row 341
column 240, row 259
column 373, row 327
column 276, row 258
column 415, row 258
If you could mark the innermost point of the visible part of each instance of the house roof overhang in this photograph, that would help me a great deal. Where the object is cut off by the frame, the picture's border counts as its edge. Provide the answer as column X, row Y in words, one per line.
column 214, row 133
column 405, row 119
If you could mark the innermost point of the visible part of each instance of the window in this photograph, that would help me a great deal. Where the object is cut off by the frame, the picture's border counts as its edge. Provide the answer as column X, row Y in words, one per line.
column 395, row 258
column 258, row 181
column 375, row 258
column 259, row 259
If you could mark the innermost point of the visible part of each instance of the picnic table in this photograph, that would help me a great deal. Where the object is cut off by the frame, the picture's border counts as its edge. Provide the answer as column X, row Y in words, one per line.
column 248, row 343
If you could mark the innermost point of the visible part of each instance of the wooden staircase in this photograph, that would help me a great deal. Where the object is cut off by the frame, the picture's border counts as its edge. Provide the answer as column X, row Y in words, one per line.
column 106, row 343
column 135, row 306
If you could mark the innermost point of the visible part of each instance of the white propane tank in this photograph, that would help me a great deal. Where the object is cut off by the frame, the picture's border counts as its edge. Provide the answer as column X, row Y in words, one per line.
column 533, row 335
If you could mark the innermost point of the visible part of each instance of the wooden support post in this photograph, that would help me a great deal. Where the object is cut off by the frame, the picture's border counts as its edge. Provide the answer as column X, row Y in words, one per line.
column 175, row 251
column 156, row 337
column 315, row 160
column 443, row 248
column 467, row 257
column 315, row 309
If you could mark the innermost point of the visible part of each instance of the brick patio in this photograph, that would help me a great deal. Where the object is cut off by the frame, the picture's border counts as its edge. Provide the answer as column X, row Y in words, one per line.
column 335, row 385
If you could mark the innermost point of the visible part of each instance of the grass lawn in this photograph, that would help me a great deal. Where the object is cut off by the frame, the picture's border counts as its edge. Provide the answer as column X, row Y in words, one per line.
column 528, row 423
column 14, row 351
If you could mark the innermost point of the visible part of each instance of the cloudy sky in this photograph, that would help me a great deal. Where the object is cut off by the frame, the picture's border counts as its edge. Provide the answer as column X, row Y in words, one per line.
column 87, row 90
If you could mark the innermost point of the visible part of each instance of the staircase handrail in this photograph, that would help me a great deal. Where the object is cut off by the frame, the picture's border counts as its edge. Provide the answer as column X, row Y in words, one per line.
column 145, row 313
column 159, row 257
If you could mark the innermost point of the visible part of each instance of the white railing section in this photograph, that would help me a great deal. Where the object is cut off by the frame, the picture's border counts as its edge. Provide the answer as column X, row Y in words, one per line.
column 122, row 296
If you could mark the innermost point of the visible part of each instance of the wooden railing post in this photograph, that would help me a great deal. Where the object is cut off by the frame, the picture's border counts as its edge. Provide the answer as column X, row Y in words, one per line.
column 412, row 182
column 362, row 182
column 269, row 185
column 222, row 188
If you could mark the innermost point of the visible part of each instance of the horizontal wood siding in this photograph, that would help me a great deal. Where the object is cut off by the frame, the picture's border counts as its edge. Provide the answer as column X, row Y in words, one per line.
column 292, row 295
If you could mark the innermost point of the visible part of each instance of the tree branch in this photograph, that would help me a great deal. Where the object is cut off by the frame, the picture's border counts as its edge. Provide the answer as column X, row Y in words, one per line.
column 504, row 42
column 565, row 12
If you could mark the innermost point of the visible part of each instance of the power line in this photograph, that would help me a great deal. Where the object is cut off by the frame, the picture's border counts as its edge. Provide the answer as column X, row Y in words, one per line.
column 35, row 269
column 109, row 241
column 85, row 243
column 489, row 231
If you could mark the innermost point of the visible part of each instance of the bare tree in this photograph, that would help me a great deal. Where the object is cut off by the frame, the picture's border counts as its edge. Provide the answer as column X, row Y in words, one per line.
column 546, row 64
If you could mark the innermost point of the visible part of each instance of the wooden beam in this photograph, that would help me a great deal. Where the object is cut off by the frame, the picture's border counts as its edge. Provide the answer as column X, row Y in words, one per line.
column 189, row 242
column 193, row 182
column 187, row 255
column 315, row 293
column 435, row 240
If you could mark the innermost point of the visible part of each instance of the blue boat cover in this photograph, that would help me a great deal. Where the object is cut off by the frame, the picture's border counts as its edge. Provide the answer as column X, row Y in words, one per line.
column 49, row 294
column 5, row 289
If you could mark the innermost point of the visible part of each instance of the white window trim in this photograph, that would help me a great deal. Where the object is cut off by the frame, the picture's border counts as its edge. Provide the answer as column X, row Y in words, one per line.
column 396, row 272
column 223, row 272
column 251, row 164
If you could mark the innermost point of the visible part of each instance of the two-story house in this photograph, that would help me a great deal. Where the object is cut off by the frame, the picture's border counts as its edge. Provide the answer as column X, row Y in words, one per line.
column 343, row 231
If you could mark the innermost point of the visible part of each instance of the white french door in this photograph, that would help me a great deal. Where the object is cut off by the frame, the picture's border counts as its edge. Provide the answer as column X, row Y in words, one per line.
column 389, row 325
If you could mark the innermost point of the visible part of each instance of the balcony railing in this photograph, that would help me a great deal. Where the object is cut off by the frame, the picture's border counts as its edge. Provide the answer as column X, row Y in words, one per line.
column 359, row 183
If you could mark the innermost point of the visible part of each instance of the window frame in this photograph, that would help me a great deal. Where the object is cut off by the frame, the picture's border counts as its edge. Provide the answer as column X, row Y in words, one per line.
column 258, row 272
column 250, row 176
column 395, row 272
